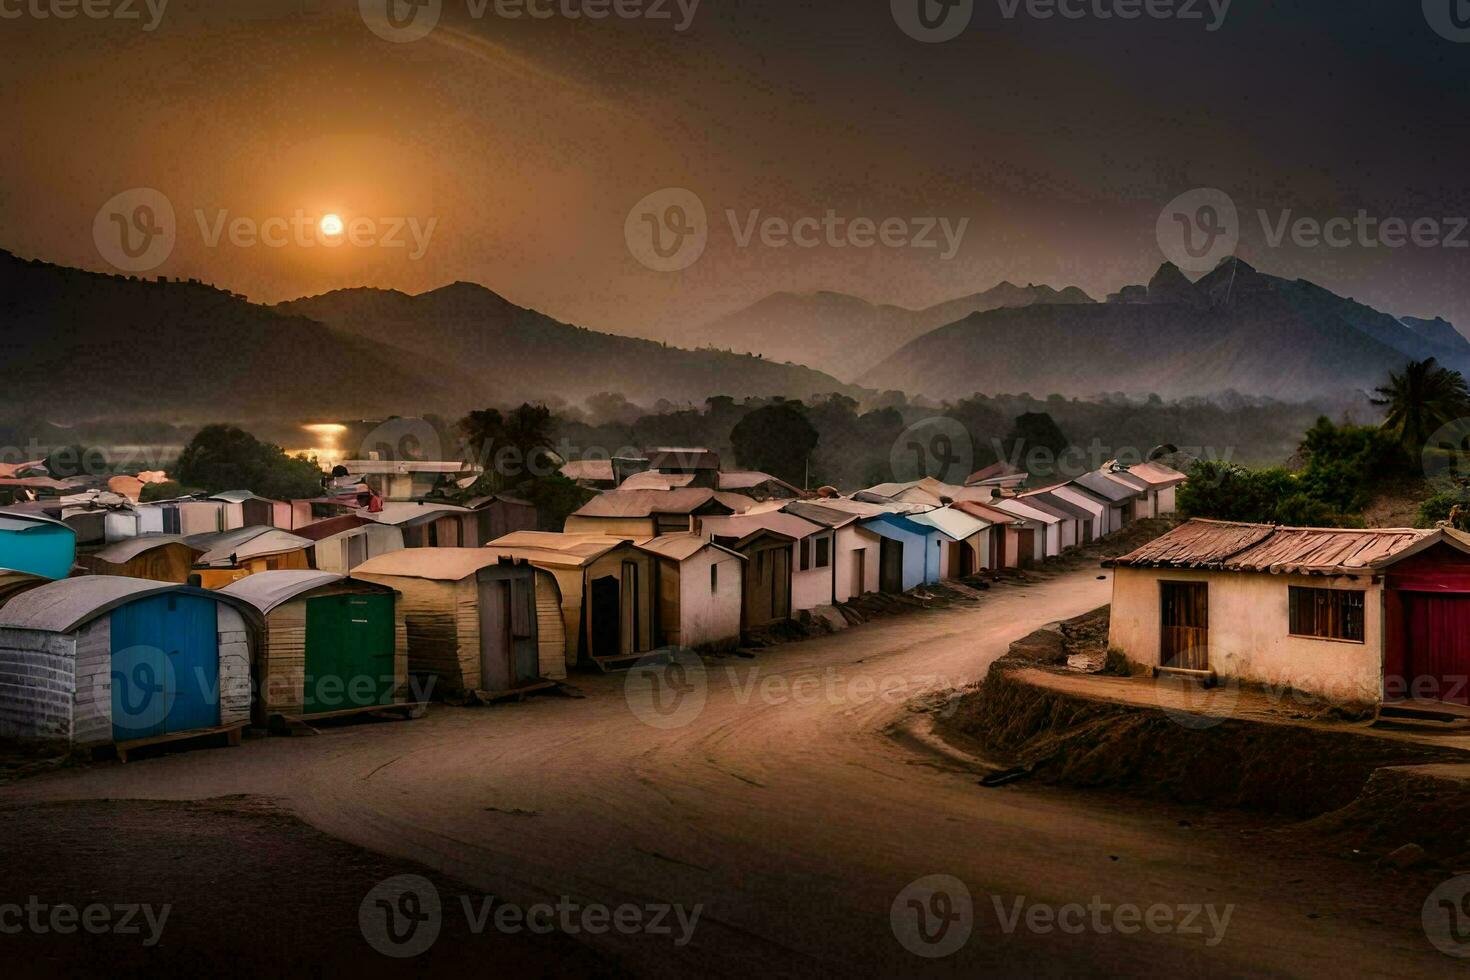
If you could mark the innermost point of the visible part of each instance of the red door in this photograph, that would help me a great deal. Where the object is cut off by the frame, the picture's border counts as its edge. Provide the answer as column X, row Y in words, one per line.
column 1436, row 647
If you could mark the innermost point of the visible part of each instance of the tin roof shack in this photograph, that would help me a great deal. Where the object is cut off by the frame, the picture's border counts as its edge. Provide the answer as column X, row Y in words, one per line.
column 157, row 557
column 1046, row 528
column 500, row 514
column 429, row 525
column 966, row 543
column 608, row 596
column 1159, row 483
column 810, row 566
column 1011, row 537
column 331, row 645
column 39, row 545
column 405, row 479
column 1119, row 497
column 854, row 547
column 643, row 514
column 478, row 620
column 1071, row 524
column 101, row 660
column 1093, row 511
column 245, row 509
column 13, row 583
column 757, row 485
column 908, row 552
column 190, row 516
column 343, row 543
column 232, row 555
column 1352, row 616
column 702, row 465
column 699, row 592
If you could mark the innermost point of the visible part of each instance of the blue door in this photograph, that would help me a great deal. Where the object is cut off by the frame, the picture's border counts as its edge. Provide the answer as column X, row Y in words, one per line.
column 165, row 666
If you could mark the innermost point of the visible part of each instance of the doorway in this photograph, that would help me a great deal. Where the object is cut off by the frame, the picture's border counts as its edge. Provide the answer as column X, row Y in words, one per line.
column 890, row 565
column 1184, row 634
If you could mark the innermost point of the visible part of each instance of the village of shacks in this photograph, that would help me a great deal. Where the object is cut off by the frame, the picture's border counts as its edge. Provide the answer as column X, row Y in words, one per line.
column 656, row 488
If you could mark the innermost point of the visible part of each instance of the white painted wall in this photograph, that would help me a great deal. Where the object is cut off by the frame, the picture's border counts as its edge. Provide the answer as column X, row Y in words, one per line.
column 1249, row 637
column 710, row 617
column 851, row 540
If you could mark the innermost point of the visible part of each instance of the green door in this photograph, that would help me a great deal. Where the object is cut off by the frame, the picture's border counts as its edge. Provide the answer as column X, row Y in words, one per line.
column 349, row 653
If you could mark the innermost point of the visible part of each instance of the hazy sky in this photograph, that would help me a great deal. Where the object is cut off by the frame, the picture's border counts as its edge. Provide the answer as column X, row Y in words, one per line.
column 518, row 147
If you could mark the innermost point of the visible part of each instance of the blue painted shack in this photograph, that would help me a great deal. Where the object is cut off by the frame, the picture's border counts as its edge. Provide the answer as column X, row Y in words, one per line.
column 103, row 659
column 909, row 554
column 39, row 545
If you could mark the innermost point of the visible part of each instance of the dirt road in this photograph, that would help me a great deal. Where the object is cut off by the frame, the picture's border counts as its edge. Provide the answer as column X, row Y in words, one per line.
column 782, row 808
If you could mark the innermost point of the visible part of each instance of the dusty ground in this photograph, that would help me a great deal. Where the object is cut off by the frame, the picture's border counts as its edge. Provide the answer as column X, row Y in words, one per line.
column 251, row 892
column 785, row 810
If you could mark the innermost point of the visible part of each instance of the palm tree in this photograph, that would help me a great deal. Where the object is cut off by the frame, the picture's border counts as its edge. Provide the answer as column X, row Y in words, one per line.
column 1422, row 399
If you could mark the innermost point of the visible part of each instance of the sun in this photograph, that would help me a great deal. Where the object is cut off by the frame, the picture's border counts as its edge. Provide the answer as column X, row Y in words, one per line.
column 331, row 225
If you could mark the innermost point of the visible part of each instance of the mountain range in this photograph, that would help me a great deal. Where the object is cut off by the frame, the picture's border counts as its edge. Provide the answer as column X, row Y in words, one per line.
column 847, row 335
column 78, row 344
column 1233, row 329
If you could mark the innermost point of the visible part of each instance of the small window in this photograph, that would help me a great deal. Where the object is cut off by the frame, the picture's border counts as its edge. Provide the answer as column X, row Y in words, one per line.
column 714, row 578
column 824, row 552
column 1332, row 614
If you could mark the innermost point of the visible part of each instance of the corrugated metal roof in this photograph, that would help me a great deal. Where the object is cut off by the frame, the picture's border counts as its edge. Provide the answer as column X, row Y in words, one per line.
column 68, row 604
column 1061, row 504
column 745, row 479
column 653, row 480
column 16, row 520
column 244, row 543
column 404, row 513
column 1157, row 474
column 952, row 523
column 646, row 503
column 985, row 512
column 1112, row 490
column 741, row 526
column 439, row 564
column 267, row 590
column 819, row 513
column 129, row 548
column 556, row 547
column 1231, row 546
column 682, row 547
column 1019, row 508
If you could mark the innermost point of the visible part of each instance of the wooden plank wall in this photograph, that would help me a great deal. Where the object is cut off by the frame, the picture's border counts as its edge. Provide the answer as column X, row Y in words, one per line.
column 234, row 666
column 551, row 631
column 92, row 715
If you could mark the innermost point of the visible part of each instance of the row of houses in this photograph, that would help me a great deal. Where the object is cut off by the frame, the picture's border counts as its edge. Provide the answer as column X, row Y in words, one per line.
column 422, row 595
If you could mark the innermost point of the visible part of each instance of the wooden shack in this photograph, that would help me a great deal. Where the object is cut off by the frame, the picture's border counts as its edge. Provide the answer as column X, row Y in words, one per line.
column 159, row 557
column 476, row 621
column 331, row 645
column 101, row 659
column 232, row 555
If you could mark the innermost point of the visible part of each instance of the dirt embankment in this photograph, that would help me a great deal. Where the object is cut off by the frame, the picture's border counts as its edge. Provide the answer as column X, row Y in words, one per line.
column 1355, row 790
